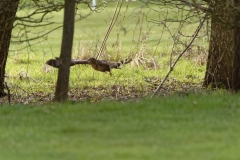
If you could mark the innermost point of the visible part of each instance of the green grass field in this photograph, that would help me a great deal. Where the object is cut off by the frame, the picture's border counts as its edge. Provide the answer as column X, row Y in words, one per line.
column 195, row 127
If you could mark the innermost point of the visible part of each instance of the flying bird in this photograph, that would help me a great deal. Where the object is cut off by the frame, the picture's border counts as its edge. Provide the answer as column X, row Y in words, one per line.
column 98, row 65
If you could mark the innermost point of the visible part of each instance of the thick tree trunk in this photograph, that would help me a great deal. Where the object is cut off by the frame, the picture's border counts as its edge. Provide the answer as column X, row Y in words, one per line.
column 221, row 48
column 8, row 9
column 236, row 60
column 61, row 93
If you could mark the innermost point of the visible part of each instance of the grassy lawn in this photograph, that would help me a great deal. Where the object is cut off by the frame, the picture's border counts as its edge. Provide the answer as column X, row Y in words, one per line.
column 174, row 128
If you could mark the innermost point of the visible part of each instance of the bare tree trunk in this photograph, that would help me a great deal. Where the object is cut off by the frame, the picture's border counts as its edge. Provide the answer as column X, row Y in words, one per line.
column 61, row 92
column 236, row 62
column 221, row 48
column 236, row 59
column 8, row 9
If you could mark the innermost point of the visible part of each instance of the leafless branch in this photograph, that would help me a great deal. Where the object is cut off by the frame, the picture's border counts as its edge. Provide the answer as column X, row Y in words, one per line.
column 180, row 55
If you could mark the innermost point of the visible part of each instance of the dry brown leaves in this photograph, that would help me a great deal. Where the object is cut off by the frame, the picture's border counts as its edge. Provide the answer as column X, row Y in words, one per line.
column 114, row 92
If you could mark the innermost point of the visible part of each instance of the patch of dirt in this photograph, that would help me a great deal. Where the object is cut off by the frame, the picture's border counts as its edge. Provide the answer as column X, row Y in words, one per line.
column 114, row 92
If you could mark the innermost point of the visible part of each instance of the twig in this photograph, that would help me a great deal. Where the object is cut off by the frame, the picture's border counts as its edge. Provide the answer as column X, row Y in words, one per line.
column 180, row 55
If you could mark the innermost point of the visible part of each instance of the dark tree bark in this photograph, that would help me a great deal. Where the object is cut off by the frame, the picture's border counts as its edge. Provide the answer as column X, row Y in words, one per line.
column 8, row 9
column 61, row 92
column 236, row 62
column 221, row 47
column 236, row 59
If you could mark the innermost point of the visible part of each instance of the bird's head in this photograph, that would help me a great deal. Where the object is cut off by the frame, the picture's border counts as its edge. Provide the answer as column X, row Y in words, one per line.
column 92, row 60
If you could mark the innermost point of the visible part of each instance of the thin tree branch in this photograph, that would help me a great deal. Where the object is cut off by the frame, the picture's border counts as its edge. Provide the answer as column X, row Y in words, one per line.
column 180, row 55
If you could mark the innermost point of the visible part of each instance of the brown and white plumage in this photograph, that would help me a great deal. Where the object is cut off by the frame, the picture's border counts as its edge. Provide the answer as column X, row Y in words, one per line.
column 105, row 66
column 57, row 62
column 98, row 65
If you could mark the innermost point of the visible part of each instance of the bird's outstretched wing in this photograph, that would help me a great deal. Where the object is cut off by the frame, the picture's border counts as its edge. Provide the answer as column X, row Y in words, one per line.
column 57, row 62
column 99, row 65
column 116, row 65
